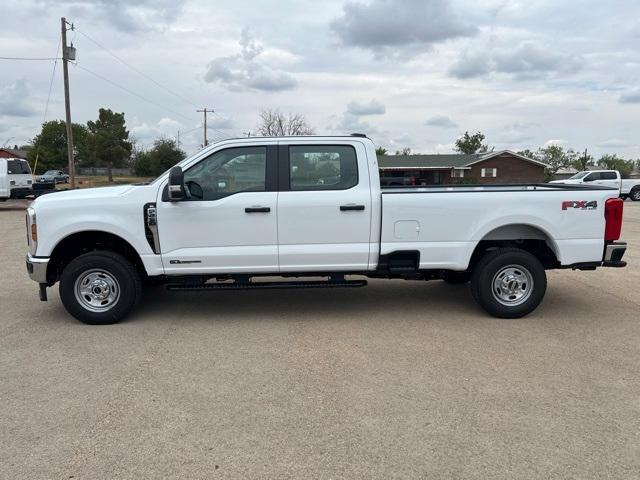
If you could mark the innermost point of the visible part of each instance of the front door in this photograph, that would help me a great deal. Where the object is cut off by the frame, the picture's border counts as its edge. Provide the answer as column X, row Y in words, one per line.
column 227, row 223
column 324, row 208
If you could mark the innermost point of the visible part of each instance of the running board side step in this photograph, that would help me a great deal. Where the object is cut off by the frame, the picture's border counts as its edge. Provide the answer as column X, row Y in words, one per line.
column 186, row 287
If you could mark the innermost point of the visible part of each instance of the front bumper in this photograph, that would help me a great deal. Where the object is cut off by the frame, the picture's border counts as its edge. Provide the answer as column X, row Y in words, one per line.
column 37, row 268
column 613, row 253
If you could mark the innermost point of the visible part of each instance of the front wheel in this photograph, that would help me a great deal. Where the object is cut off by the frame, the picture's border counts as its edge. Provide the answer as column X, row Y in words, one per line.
column 508, row 283
column 100, row 288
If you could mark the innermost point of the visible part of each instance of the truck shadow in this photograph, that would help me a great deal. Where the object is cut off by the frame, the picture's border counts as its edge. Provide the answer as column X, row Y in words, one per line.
column 390, row 299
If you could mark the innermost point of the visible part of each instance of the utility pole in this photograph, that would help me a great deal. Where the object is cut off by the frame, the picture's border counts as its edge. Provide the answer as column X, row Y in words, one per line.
column 178, row 139
column 67, row 102
column 205, row 123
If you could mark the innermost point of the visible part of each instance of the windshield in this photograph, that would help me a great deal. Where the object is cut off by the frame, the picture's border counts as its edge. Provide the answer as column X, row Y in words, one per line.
column 579, row 175
column 50, row 172
column 18, row 167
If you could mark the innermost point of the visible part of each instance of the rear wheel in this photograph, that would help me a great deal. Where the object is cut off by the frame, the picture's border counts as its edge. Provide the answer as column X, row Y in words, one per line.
column 635, row 194
column 508, row 283
column 100, row 288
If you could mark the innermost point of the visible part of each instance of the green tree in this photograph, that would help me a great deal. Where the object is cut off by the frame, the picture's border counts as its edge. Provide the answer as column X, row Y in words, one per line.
column 556, row 158
column 161, row 157
column 613, row 162
column 381, row 151
column 582, row 162
column 49, row 147
column 108, row 141
column 404, row 151
column 469, row 144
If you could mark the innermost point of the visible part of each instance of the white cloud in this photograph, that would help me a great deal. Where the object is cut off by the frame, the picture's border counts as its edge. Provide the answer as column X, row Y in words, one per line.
column 247, row 71
column 373, row 107
column 613, row 143
column 14, row 99
column 393, row 26
column 632, row 96
column 441, row 121
column 525, row 60
column 555, row 141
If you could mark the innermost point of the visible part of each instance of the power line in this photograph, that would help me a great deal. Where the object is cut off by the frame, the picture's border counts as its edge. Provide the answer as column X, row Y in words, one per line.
column 139, row 72
column 31, row 58
column 53, row 73
column 133, row 93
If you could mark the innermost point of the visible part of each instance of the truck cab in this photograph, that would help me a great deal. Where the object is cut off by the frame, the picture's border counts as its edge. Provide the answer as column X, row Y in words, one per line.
column 607, row 178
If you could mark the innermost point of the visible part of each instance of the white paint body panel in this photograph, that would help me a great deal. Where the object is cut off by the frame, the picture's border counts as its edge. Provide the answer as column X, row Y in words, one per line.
column 21, row 180
column 219, row 235
column 305, row 231
column 314, row 235
column 451, row 223
column 4, row 179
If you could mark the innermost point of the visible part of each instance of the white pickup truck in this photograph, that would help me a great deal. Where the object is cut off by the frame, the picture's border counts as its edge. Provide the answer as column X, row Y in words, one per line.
column 629, row 188
column 283, row 212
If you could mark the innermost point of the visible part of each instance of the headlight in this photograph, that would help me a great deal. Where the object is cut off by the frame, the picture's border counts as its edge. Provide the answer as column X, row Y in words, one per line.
column 32, row 230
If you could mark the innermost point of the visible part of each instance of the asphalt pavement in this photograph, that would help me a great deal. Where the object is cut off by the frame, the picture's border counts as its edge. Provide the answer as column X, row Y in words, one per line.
column 396, row 380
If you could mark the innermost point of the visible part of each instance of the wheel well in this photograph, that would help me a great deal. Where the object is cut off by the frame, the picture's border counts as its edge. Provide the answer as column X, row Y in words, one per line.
column 82, row 242
column 524, row 237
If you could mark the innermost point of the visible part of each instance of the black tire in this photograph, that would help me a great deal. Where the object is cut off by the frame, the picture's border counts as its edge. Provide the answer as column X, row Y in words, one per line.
column 499, row 266
column 113, row 276
column 456, row 278
column 635, row 194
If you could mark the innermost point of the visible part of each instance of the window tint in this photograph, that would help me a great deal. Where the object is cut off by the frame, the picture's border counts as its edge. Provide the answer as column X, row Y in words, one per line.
column 609, row 176
column 18, row 167
column 323, row 167
column 227, row 172
column 592, row 176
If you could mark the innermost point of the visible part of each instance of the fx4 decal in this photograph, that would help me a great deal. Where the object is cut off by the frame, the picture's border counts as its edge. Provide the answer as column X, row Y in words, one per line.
column 580, row 204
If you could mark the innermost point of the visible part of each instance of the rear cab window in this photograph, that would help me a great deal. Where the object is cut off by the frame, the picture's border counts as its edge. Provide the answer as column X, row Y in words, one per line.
column 322, row 167
column 18, row 167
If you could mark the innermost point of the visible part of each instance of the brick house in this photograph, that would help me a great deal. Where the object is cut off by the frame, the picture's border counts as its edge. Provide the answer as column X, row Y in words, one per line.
column 13, row 153
column 503, row 166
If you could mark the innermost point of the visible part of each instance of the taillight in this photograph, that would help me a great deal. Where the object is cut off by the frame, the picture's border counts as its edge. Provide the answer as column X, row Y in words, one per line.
column 613, row 219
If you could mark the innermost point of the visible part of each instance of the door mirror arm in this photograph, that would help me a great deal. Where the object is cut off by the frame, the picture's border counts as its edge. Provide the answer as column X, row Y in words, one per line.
column 176, row 184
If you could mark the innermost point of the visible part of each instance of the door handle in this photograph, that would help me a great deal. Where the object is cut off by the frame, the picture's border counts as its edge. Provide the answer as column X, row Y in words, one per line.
column 345, row 208
column 257, row 210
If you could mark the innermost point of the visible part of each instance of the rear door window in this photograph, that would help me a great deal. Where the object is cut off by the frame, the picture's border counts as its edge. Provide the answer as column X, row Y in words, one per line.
column 609, row 176
column 323, row 167
column 18, row 167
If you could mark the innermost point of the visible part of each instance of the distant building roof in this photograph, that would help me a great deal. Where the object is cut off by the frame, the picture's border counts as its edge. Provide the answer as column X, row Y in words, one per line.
column 15, row 153
column 447, row 160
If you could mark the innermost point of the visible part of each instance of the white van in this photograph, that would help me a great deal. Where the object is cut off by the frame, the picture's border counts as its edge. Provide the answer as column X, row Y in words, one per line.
column 16, row 180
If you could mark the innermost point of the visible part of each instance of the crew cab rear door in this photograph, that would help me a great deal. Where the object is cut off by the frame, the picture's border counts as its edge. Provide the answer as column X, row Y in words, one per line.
column 324, row 206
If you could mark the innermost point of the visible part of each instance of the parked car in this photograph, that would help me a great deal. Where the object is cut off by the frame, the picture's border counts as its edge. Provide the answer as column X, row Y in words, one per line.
column 54, row 176
column 629, row 188
column 244, row 209
column 15, row 178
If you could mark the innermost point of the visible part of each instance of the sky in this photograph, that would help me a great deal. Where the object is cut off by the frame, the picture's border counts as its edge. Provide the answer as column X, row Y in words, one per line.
column 410, row 73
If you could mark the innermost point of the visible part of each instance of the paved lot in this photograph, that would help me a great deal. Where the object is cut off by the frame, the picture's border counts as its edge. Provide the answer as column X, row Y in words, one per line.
column 398, row 380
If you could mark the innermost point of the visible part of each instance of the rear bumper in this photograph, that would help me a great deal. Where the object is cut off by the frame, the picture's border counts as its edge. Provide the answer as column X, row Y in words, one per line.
column 21, row 192
column 37, row 268
column 613, row 253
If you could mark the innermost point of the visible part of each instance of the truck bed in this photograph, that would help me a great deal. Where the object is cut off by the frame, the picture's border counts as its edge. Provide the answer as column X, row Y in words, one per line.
column 446, row 227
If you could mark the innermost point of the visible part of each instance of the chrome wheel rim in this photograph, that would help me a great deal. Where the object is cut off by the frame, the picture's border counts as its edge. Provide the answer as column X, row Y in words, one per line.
column 636, row 195
column 97, row 290
column 512, row 285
